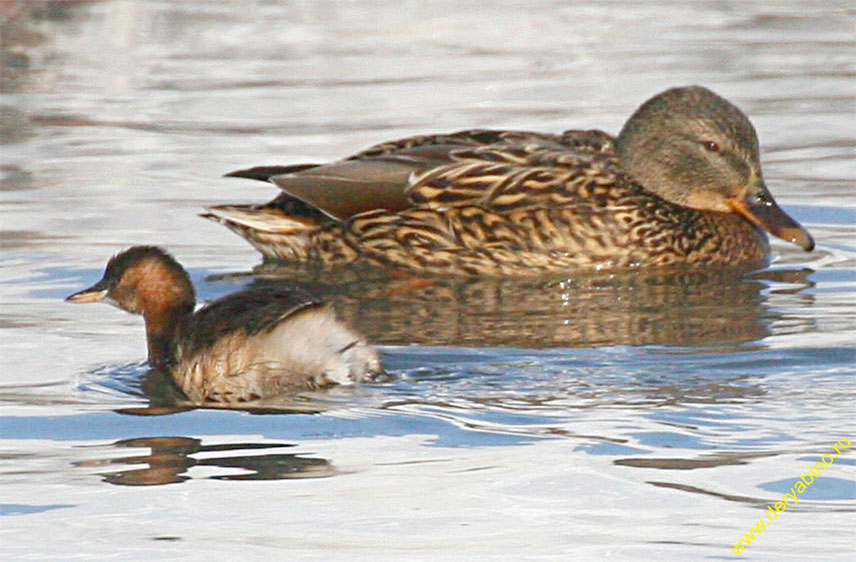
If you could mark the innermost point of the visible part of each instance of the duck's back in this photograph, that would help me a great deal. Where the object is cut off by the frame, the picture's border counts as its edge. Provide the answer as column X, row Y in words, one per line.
column 265, row 342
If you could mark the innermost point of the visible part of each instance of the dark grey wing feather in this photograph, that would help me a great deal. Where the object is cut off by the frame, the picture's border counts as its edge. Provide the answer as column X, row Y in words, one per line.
column 247, row 312
column 264, row 173
column 347, row 187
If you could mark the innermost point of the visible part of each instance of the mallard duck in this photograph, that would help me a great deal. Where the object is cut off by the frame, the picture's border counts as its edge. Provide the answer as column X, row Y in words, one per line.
column 681, row 184
column 250, row 345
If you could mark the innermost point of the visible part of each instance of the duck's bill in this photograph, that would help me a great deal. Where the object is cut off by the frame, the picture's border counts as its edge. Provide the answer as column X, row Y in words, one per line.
column 758, row 205
column 92, row 294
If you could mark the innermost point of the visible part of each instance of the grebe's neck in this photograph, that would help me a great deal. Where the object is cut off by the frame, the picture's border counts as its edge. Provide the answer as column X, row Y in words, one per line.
column 162, row 329
column 165, row 298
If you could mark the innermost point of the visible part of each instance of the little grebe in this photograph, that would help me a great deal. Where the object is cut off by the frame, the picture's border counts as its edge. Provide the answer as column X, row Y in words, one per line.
column 681, row 184
column 247, row 346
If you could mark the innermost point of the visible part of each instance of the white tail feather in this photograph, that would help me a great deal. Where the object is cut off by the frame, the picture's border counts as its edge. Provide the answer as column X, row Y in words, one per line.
column 260, row 219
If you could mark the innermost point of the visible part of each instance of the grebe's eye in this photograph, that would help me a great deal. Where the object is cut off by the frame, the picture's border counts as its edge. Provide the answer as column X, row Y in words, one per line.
column 711, row 146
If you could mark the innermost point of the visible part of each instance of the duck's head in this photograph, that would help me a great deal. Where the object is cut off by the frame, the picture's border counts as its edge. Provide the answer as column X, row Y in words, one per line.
column 141, row 280
column 696, row 149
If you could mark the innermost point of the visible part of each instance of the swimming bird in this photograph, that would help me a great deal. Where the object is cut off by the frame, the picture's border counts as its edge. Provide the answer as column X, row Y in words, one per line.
column 680, row 184
column 250, row 345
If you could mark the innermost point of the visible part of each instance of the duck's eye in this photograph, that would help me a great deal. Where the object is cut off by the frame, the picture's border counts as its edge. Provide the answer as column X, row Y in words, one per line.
column 711, row 146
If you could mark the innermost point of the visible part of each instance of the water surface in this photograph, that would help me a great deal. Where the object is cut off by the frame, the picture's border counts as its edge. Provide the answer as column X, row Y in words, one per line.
column 633, row 416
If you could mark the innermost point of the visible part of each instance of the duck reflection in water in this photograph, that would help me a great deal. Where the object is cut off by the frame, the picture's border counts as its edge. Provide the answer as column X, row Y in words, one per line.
column 171, row 458
column 674, row 306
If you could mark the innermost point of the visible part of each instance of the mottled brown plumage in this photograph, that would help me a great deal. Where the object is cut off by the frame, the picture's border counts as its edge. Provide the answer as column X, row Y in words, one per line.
column 681, row 184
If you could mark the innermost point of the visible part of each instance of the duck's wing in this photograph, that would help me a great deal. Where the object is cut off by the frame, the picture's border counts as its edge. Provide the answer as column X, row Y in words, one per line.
column 348, row 187
column 245, row 313
column 525, row 170
column 383, row 176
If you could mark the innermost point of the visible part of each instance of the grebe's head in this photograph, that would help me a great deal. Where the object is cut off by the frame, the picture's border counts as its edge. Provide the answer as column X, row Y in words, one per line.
column 141, row 280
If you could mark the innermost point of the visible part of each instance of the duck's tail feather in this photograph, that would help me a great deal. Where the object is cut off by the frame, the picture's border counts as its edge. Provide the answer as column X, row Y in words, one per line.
column 261, row 217
column 271, row 231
